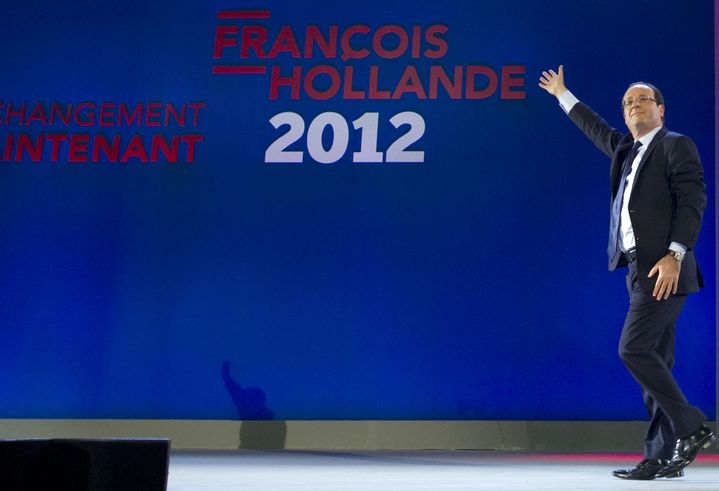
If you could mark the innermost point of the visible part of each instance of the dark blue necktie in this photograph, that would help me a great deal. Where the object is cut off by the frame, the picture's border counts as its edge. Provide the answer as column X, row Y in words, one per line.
column 613, row 245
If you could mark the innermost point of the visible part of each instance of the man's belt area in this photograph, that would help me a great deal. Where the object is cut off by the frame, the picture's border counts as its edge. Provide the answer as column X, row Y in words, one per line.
column 631, row 255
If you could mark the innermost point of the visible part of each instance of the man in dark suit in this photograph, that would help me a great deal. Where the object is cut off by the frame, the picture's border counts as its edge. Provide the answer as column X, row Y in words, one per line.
column 657, row 205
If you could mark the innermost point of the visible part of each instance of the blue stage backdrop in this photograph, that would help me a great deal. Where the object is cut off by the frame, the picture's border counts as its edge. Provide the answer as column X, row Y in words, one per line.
column 329, row 210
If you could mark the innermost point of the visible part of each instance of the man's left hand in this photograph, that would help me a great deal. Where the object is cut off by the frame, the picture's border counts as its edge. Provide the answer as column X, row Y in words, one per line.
column 668, row 279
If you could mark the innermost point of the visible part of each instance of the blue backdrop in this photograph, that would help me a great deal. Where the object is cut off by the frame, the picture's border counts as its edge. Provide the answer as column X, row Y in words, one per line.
column 470, row 283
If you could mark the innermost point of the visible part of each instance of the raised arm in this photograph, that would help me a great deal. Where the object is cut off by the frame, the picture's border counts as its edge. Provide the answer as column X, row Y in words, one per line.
column 604, row 137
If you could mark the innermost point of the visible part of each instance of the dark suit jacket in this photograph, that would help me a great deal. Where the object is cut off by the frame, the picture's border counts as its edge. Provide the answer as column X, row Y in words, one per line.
column 667, row 201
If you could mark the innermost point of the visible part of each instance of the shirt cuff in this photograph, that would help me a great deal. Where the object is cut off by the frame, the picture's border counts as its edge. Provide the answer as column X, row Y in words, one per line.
column 567, row 101
column 677, row 247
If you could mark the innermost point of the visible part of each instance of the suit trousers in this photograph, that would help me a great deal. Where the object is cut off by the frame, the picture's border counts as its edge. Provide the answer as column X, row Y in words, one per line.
column 646, row 347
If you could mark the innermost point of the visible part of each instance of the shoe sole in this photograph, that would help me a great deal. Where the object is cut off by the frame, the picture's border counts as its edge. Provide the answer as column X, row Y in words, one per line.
column 674, row 475
column 631, row 478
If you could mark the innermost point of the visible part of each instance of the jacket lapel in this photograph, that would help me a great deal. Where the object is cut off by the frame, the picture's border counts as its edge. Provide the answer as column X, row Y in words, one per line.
column 655, row 141
column 616, row 168
column 621, row 153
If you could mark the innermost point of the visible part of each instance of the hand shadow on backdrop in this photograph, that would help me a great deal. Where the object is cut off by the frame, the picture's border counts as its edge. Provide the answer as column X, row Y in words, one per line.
column 258, row 430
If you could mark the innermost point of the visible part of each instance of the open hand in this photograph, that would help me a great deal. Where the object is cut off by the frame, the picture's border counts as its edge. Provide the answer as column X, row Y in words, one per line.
column 668, row 279
column 553, row 82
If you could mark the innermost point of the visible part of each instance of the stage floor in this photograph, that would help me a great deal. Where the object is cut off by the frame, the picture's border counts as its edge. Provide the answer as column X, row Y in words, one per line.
column 286, row 470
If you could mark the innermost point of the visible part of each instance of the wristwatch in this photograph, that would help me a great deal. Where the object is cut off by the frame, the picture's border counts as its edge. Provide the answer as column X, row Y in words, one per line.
column 678, row 256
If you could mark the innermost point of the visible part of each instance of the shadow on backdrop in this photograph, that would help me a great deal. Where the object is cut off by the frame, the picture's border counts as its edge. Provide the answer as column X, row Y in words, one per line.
column 258, row 429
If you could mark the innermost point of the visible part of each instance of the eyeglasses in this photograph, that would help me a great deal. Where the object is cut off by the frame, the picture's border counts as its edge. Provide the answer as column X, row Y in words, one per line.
column 641, row 100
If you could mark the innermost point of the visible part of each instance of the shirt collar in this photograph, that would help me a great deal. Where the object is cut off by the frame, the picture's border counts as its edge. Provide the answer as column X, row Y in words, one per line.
column 647, row 139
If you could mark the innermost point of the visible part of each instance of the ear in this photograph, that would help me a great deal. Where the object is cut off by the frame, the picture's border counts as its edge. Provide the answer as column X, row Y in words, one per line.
column 661, row 110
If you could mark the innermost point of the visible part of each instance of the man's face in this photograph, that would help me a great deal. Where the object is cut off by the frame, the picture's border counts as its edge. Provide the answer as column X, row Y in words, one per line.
column 641, row 117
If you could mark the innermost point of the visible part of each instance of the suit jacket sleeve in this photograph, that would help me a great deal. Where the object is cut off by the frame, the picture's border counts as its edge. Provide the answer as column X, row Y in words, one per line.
column 606, row 138
column 686, row 181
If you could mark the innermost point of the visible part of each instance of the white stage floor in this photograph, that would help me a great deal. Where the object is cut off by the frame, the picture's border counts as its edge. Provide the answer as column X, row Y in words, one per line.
column 286, row 470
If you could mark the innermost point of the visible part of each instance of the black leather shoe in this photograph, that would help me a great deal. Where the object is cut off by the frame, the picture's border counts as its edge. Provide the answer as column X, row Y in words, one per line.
column 646, row 470
column 687, row 449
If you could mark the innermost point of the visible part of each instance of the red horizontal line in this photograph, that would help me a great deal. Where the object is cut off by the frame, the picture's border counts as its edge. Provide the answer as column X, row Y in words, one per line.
column 243, row 14
column 238, row 69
